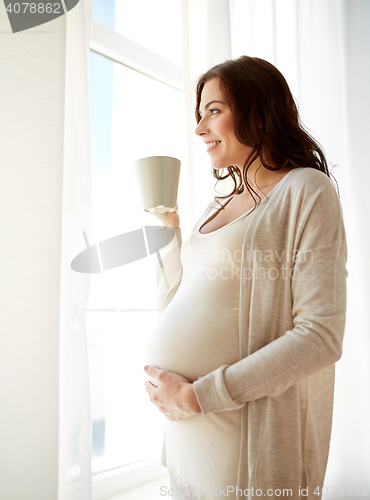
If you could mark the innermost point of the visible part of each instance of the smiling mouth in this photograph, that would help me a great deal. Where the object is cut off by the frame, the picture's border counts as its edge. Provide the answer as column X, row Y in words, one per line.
column 212, row 145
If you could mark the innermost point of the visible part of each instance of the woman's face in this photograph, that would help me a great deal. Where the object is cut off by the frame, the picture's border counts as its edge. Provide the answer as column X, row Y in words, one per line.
column 216, row 128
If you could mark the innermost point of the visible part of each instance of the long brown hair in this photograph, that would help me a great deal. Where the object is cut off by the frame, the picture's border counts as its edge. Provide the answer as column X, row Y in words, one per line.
column 265, row 118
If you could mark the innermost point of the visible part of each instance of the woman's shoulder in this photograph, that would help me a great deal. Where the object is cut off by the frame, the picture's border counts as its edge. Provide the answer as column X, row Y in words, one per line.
column 310, row 181
column 316, row 177
column 310, row 191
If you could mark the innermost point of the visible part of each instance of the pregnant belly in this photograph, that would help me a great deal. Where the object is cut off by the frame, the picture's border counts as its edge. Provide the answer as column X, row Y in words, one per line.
column 193, row 341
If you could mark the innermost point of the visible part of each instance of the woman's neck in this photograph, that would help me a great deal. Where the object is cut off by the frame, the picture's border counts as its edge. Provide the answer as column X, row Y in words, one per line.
column 261, row 179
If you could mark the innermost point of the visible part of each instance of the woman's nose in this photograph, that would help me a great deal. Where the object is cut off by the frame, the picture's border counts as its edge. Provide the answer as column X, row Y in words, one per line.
column 201, row 128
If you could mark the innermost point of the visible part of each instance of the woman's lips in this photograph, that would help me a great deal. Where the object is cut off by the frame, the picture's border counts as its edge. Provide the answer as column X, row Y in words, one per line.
column 212, row 145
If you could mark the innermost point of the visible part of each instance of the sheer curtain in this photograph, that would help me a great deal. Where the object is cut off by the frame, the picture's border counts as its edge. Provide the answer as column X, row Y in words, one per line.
column 206, row 41
column 323, row 50
column 75, row 477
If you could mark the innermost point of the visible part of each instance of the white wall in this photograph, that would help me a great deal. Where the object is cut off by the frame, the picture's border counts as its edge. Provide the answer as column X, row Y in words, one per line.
column 32, row 71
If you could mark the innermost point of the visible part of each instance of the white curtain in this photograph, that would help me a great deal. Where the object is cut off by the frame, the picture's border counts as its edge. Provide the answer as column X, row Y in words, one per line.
column 323, row 50
column 206, row 42
column 45, row 442
column 75, row 477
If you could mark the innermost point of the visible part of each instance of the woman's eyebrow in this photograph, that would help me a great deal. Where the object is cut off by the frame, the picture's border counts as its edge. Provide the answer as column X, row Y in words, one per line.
column 208, row 104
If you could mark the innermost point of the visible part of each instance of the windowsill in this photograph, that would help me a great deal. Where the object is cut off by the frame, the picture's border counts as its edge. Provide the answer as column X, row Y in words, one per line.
column 126, row 482
column 149, row 491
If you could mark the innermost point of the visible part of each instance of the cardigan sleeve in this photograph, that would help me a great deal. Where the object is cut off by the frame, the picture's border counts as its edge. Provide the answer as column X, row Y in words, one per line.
column 318, row 308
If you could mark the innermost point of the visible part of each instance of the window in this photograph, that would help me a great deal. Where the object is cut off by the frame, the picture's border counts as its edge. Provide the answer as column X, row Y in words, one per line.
column 136, row 110
column 153, row 25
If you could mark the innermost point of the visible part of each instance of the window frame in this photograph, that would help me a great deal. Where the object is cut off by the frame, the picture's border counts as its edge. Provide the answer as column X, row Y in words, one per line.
column 120, row 49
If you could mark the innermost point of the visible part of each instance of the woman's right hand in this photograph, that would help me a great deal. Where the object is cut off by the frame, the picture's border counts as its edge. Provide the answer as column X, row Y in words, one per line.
column 170, row 219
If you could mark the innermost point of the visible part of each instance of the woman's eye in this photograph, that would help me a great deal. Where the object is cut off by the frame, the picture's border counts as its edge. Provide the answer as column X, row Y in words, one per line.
column 214, row 111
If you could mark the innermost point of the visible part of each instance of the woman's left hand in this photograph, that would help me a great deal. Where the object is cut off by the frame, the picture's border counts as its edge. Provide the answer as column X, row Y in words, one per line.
column 174, row 396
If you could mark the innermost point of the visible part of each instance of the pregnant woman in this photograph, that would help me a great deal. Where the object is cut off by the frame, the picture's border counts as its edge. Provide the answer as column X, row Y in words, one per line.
column 252, row 305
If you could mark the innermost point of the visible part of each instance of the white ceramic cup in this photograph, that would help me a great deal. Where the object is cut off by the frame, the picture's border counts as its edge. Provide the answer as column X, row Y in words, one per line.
column 158, row 179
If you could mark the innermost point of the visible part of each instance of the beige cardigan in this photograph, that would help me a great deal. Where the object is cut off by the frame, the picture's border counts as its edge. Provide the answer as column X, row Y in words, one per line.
column 291, row 324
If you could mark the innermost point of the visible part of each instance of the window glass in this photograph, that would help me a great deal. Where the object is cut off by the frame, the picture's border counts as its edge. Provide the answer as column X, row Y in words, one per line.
column 132, row 116
column 153, row 24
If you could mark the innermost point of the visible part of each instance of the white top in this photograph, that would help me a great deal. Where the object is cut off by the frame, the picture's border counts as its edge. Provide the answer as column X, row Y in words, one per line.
column 193, row 337
column 210, row 284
